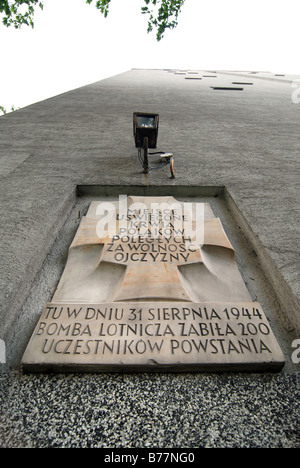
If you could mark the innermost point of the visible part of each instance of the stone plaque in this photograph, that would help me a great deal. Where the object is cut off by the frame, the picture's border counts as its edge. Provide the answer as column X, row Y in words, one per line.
column 152, row 284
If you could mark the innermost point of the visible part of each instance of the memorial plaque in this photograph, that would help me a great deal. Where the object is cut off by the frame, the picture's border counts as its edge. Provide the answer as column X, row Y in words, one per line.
column 151, row 284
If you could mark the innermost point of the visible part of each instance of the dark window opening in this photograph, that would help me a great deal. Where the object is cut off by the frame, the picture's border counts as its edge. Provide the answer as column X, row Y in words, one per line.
column 226, row 88
column 242, row 83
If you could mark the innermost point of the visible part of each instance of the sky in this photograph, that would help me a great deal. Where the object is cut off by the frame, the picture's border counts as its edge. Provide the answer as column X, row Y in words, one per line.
column 73, row 45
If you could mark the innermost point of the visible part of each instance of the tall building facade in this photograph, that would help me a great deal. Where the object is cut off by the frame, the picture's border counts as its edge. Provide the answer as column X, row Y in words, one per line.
column 235, row 141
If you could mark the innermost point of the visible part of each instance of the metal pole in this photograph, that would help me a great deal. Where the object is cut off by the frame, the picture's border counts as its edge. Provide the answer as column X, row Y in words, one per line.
column 146, row 161
column 172, row 168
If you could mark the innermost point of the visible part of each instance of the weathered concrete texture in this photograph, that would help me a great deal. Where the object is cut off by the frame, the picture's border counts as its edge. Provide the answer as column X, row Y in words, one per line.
column 246, row 141
column 139, row 411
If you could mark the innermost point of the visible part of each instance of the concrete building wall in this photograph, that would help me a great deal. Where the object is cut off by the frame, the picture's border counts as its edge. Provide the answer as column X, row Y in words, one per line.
column 240, row 150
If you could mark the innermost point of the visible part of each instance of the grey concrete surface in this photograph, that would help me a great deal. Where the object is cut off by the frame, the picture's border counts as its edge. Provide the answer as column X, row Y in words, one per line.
column 245, row 141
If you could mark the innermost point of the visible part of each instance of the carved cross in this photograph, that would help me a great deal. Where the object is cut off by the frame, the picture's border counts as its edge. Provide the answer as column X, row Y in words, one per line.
column 151, row 265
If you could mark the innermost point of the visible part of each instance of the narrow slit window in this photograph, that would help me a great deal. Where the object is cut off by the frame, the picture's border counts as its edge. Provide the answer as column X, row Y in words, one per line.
column 227, row 88
column 242, row 83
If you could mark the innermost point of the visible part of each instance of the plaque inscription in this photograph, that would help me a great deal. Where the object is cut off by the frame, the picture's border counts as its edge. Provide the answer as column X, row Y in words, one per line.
column 152, row 289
